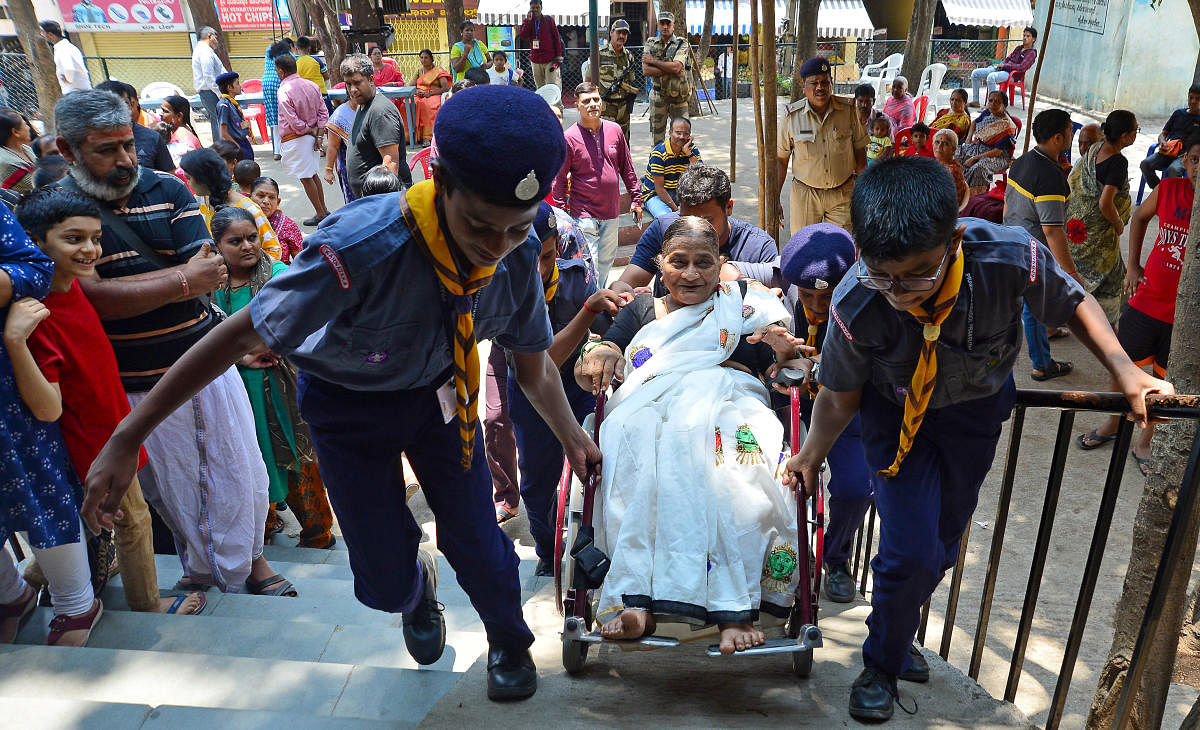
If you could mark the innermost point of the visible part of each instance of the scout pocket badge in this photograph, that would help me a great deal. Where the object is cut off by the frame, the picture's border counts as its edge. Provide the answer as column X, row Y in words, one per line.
column 448, row 400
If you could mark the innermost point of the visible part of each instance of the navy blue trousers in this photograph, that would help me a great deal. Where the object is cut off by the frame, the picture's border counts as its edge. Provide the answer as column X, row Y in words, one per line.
column 924, row 509
column 850, row 488
column 540, row 459
column 359, row 436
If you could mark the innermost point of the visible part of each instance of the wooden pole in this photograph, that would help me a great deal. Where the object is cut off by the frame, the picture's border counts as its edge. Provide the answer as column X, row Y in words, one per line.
column 756, row 96
column 770, row 103
column 1037, row 74
column 733, row 98
column 593, row 43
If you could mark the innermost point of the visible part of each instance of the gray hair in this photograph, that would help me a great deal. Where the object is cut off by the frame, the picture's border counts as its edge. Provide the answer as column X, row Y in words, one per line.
column 357, row 63
column 205, row 32
column 949, row 134
column 80, row 113
column 900, row 78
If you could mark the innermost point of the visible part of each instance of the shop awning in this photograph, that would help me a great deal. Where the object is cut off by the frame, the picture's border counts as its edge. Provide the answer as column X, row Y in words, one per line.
column 993, row 13
column 564, row 12
column 835, row 19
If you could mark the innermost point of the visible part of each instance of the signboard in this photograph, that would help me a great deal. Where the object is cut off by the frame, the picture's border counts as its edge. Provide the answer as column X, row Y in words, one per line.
column 437, row 9
column 127, row 16
column 1085, row 15
column 253, row 14
column 500, row 38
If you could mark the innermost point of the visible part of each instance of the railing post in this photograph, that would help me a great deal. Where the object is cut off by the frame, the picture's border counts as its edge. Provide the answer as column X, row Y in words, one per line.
column 952, row 600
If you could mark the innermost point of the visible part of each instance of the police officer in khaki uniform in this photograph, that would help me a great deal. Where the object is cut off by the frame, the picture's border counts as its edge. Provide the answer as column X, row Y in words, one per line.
column 665, row 59
column 618, row 86
column 827, row 144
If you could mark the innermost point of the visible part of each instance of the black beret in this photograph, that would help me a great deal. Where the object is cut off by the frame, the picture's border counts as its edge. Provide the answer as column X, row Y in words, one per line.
column 814, row 66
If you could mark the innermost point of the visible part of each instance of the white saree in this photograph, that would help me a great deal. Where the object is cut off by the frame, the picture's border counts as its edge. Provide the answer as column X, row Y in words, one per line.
column 697, row 525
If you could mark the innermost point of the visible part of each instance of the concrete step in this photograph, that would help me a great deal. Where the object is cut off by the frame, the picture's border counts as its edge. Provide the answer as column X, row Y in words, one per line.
column 263, row 638
column 309, row 689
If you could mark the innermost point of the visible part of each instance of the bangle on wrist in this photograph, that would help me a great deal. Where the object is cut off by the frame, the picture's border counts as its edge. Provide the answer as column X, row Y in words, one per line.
column 183, row 282
column 589, row 309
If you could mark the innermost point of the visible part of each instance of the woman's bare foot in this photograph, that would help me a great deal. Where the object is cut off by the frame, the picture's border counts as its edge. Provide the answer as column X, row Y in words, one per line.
column 632, row 623
column 191, row 604
column 739, row 637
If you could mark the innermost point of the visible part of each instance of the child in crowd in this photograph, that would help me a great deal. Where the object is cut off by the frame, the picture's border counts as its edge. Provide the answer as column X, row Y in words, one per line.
column 380, row 179
column 230, row 119
column 77, row 361
column 271, row 384
column 500, row 73
column 264, row 191
column 919, row 146
column 1146, row 324
column 879, row 144
column 41, row 489
column 898, row 107
column 245, row 172
column 228, row 151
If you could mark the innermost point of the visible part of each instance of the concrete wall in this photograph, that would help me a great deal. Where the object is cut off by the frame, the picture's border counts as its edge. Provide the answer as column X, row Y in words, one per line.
column 1143, row 60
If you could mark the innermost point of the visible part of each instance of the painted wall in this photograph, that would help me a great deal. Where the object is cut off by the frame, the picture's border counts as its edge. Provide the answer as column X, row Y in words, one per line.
column 1142, row 60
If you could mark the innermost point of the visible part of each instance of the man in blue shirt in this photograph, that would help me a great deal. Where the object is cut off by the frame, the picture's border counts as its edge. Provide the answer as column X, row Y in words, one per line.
column 703, row 191
column 381, row 312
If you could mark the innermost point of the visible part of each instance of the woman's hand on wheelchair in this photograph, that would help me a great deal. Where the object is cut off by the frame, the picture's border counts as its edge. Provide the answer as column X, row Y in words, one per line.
column 602, row 365
column 784, row 343
column 802, row 472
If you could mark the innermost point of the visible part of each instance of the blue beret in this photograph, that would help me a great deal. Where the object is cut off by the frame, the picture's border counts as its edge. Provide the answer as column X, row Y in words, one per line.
column 501, row 142
column 226, row 78
column 545, row 223
column 814, row 66
column 817, row 257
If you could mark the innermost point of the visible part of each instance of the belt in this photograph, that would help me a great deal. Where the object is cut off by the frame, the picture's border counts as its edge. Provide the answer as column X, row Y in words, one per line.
column 290, row 136
column 832, row 187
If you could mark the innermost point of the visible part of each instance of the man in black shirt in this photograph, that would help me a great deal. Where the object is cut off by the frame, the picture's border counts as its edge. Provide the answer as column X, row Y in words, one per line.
column 378, row 132
column 151, row 148
column 1177, row 128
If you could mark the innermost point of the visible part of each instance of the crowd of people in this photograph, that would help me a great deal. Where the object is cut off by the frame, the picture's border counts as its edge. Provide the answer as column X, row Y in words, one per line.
column 183, row 361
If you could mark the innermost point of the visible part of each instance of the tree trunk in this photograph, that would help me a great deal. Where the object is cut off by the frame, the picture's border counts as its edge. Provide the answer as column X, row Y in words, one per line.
column 806, row 41
column 916, row 50
column 328, row 30
column 756, row 100
column 734, row 97
column 203, row 14
column 41, row 65
column 1172, row 444
column 706, row 33
column 1195, row 6
column 454, row 18
column 302, row 20
column 770, row 102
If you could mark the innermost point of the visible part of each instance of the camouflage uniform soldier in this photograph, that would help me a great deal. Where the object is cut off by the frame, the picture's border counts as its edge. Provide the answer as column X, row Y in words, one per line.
column 618, row 86
column 665, row 59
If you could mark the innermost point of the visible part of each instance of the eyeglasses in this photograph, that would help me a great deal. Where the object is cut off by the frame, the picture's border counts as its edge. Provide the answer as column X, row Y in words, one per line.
column 887, row 283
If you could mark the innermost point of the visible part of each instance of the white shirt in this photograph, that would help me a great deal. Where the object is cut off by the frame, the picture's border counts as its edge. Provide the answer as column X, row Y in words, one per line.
column 206, row 67
column 723, row 62
column 501, row 78
column 69, row 67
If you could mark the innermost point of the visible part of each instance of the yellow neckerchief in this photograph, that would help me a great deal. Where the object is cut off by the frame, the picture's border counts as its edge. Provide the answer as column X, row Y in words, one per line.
column 233, row 101
column 925, row 374
column 552, row 285
column 814, row 324
column 429, row 237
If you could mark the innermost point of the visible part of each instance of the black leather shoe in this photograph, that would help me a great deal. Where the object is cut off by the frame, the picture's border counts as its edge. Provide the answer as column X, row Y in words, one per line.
column 919, row 671
column 424, row 626
column 544, row 568
column 511, row 674
column 872, row 694
column 839, row 586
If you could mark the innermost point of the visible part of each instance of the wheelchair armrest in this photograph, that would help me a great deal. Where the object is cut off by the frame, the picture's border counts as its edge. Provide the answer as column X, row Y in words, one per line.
column 787, row 377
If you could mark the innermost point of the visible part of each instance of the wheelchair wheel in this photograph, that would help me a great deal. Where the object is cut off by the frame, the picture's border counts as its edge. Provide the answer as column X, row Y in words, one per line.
column 574, row 655
column 802, row 662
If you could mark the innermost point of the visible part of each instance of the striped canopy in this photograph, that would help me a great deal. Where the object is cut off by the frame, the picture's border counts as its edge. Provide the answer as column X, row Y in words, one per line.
column 835, row 19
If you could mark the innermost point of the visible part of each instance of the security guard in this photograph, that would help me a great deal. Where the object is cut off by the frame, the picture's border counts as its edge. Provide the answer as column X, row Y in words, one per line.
column 381, row 312
column 618, row 86
column 665, row 59
column 828, row 148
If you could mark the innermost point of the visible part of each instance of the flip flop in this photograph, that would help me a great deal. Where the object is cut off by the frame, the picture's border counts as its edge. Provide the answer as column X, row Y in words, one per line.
column 259, row 588
column 1056, row 369
column 1143, row 464
column 504, row 514
column 183, row 597
column 1054, row 333
column 1099, row 439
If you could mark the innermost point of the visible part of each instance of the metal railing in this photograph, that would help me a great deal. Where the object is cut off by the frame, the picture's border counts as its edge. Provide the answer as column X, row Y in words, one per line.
column 1069, row 403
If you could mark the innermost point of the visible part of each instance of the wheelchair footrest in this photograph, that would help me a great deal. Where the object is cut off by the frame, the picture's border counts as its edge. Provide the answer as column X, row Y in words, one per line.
column 809, row 639
column 573, row 631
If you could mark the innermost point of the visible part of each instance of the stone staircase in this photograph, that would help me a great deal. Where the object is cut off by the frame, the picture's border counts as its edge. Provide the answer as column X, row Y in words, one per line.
column 322, row 660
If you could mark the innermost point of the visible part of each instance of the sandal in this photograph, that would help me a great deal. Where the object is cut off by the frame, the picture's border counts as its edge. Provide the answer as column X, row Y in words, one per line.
column 20, row 609
column 61, row 625
column 1056, row 369
column 1054, row 333
column 1142, row 464
column 1097, row 439
column 183, row 597
column 285, row 587
column 504, row 514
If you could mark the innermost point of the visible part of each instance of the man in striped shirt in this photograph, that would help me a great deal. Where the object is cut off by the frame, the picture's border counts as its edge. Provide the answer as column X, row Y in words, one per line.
column 206, row 476
column 668, row 160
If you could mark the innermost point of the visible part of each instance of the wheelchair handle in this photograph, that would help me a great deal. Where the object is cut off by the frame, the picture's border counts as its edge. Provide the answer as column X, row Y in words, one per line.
column 788, row 377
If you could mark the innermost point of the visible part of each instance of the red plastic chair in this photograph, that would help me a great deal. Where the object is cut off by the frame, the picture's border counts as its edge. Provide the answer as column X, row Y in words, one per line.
column 1016, row 80
column 422, row 159
column 920, row 107
column 255, row 113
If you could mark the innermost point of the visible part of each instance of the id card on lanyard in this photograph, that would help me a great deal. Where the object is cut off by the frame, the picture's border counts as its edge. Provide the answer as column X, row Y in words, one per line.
column 537, row 32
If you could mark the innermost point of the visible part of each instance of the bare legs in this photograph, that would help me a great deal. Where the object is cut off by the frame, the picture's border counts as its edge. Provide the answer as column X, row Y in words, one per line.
column 633, row 623
column 316, row 196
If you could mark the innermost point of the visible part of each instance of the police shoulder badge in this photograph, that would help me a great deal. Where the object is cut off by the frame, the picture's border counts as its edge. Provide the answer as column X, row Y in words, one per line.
column 528, row 188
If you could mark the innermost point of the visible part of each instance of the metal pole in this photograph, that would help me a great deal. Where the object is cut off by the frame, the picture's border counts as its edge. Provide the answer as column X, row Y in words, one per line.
column 1037, row 74
column 733, row 98
column 593, row 43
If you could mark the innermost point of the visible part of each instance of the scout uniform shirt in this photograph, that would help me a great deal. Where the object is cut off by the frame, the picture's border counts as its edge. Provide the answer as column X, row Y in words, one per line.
column 612, row 67
column 822, row 148
column 869, row 341
column 358, row 306
column 671, row 87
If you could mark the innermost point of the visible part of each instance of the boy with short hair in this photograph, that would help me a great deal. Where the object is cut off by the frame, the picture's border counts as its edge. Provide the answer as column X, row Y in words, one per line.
column 919, row 145
column 245, row 172
column 925, row 283
column 231, row 121
column 75, row 357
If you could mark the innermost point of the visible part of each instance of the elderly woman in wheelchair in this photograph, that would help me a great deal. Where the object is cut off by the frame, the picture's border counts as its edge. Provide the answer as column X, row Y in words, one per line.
column 696, row 522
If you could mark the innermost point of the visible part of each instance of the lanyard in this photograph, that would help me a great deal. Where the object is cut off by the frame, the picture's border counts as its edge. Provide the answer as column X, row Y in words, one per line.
column 537, row 28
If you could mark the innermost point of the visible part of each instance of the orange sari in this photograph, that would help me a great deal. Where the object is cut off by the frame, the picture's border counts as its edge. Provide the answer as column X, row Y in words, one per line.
column 427, row 106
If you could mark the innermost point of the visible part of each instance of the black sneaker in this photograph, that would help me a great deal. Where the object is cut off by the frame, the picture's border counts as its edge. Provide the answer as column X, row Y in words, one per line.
column 511, row 674
column 919, row 671
column 545, row 568
column 424, row 626
column 872, row 694
column 839, row 585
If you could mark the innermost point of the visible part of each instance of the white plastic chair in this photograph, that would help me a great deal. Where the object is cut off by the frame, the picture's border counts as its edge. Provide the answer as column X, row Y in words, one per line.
column 931, row 85
column 880, row 75
column 161, row 90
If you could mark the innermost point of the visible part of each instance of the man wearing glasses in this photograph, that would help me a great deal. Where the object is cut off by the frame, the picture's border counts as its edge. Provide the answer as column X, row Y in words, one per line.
column 665, row 60
column 827, row 144
column 922, row 345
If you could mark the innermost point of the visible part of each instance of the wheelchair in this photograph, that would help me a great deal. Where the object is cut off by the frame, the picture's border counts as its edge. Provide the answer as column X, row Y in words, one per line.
column 579, row 573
